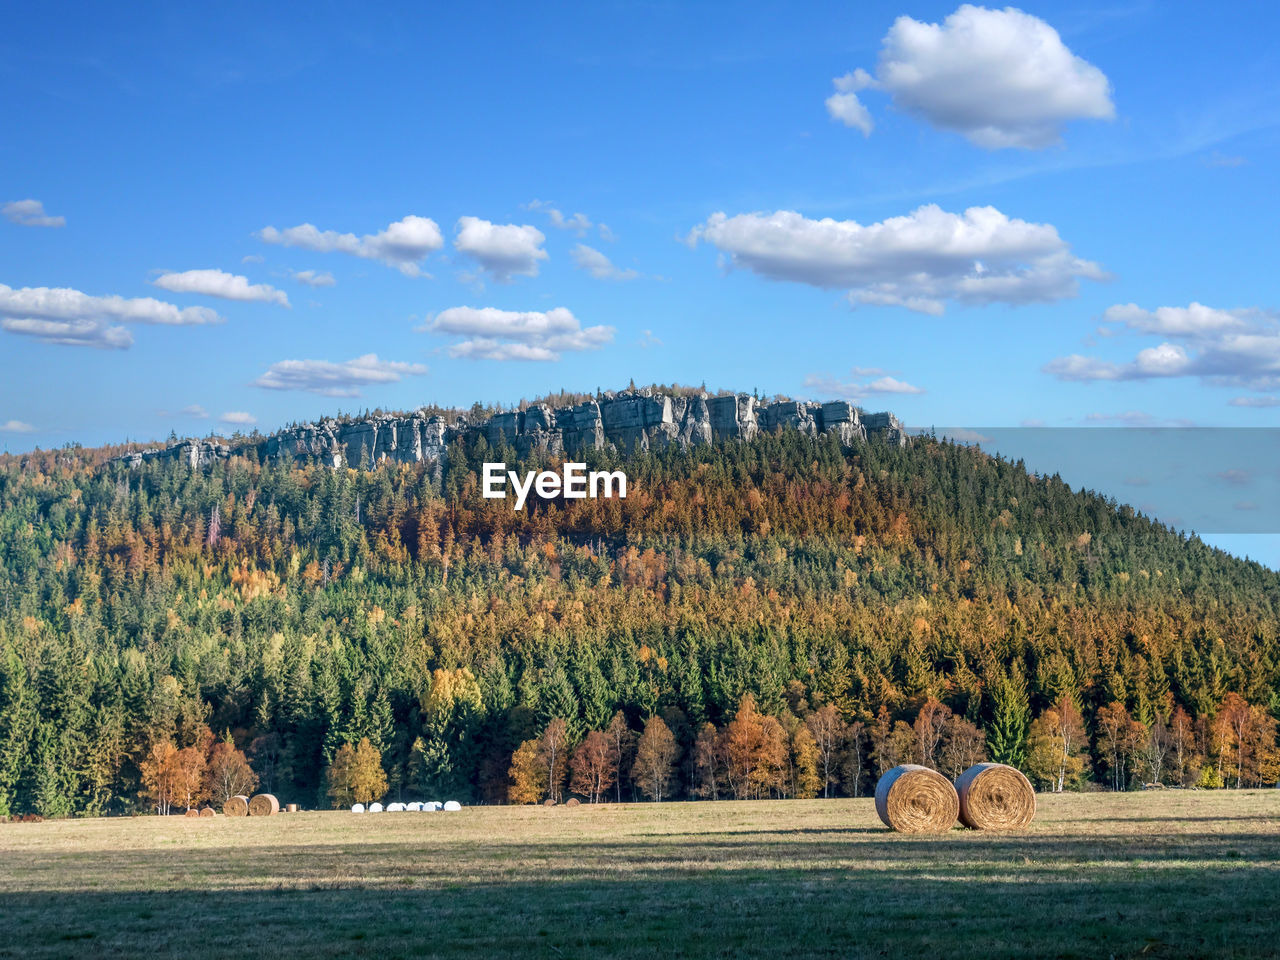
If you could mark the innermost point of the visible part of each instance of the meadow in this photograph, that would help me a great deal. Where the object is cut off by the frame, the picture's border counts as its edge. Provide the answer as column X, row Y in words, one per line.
column 1159, row 874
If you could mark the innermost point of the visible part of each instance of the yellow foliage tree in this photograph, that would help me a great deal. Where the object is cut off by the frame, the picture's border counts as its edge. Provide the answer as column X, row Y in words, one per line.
column 356, row 774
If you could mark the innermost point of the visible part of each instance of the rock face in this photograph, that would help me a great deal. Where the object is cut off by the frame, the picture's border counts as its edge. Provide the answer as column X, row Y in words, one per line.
column 628, row 421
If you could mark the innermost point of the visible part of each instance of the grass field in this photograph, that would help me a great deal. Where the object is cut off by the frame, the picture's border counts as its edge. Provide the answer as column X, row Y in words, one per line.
column 1173, row 874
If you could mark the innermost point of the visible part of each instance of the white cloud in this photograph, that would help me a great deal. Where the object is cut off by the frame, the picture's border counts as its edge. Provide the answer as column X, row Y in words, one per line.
column 844, row 105
column 194, row 410
column 252, row 258
column 403, row 244
column 1001, row 78
column 1259, row 403
column 16, row 426
column 579, row 223
column 65, row 316
column 493, row 334
column 329, row 379
column 862, row 382
column 218, row 283
column 598, row 265
column 30, row 213
column 919, row 261
column 504, row 251
column 313, row 279
column 238, row 418
column 1228, row 348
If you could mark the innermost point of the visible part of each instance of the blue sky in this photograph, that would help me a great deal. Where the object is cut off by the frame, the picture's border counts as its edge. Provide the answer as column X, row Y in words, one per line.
column 766, row 224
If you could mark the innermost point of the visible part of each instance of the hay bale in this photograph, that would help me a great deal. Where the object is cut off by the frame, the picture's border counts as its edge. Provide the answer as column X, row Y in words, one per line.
column 192, row 812
column 414, row 806
column 396, row 807
column 548, row 802
column 914, row 799
column 237, row 806
column 453, row 806
column 572, row 802
column 994, row 796
column 434, row 806
column 264, row 805
column 290, row 808
column 208, row 812
column 357, row 808
column 375, row 808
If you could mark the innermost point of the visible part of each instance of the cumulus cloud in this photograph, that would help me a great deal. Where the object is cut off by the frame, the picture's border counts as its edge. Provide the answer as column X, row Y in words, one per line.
column 1001, row 78
column 504, row 251
column 30, row 213
column 16, row 426
column 1237, row 348
column 219, row 283
column 238, row 418
column 330, row 379
column 403, row 244
column 862, row 382
column 844, row 105
column 194, row 410
column 69, row 317
column 579, row 223
column 598, row 265
column 493, row 334
column 919, row 261
column 313, row 279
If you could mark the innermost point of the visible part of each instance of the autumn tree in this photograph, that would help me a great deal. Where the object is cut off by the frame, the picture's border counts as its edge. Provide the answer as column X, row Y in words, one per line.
column 591, row 768
column 621, row 747
column 804, row 763
column 657, row 753
column 554, row 755
column 853, row 759
column 708, row 763
column 190, row 777
column 828, row 730
column 961, row 746
column 1057, row 745
column 356, row 774
column 229, row 773
column 160, row 778
column 528, row 773
column 929, row 728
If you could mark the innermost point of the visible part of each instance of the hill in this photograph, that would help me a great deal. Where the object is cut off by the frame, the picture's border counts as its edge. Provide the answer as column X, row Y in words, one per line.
column 791, row 604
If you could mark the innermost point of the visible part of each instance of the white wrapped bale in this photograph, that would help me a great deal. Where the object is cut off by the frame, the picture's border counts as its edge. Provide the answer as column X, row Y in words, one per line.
column 452, row 806
column 396, row 807
column 375, row 808
column 357, row 808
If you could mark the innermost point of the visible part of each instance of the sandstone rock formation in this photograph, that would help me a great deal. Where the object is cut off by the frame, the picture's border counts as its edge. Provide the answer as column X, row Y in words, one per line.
column 629, row 421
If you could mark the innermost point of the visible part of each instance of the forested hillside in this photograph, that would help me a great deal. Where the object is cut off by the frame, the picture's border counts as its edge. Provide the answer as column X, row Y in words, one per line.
column 777, row 618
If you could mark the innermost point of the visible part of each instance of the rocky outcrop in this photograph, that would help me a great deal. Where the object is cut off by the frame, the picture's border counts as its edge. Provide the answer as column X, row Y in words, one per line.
column 628, row 421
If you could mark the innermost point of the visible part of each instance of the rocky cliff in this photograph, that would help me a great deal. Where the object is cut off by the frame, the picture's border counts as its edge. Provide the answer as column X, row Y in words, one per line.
column 629, row 421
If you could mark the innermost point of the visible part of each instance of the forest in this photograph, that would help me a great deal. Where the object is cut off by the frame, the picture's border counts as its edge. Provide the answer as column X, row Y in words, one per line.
column 778, row 618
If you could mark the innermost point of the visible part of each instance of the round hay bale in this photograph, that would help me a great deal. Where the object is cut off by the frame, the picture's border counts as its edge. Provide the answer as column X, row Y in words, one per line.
column 548, row 802
column 375, row 808
column 192, row 812
column 208, row 812
column 572, row 802
column 453, row 806
column 914, row 799
column 994, row 796
column 290, row 808
column 357, row 808
column 264, row 805
column 237, row 806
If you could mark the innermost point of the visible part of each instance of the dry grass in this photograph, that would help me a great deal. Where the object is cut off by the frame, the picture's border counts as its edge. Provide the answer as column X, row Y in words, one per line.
column 1153, row 875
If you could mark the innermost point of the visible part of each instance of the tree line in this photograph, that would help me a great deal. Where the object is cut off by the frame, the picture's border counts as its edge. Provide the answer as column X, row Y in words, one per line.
column 299, row 611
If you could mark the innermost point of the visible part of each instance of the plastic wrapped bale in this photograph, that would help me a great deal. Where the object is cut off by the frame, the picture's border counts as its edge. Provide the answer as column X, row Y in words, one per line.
column 357, row 808
column 375, row 808
column 433, row 806
column 914, row 799
column 414, row 806
column 264, row 805
column 396, row 807
column 994, row 796
column 237, row 806
column 452, row 806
